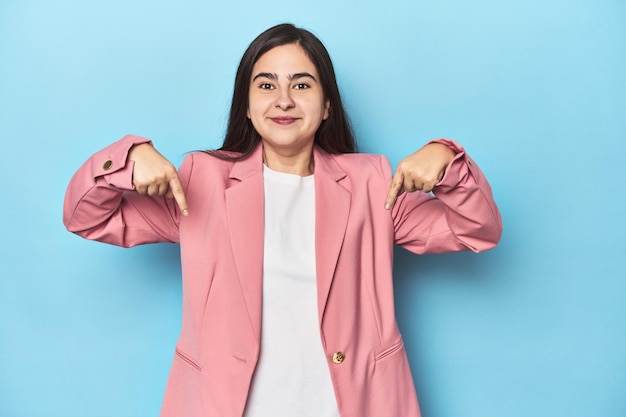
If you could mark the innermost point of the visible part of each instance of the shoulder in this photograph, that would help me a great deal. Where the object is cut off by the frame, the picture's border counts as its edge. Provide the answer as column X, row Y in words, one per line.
column 363, row 163
column 200, row 169
column 204, row 160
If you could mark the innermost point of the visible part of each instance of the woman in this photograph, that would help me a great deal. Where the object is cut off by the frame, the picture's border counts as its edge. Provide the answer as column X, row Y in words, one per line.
column 286, row 240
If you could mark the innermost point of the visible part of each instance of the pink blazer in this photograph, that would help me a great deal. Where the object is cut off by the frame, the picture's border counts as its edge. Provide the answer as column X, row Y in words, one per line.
column 221, row 244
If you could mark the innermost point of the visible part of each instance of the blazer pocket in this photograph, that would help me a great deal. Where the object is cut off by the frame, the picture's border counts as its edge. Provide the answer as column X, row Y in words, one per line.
column 390, row 350
column 186, row 358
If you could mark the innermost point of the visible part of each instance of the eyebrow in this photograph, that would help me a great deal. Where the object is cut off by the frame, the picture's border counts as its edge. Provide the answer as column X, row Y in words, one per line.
column 291, row 77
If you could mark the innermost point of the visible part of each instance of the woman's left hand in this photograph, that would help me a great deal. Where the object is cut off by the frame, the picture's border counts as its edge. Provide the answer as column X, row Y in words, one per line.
column 420, row 171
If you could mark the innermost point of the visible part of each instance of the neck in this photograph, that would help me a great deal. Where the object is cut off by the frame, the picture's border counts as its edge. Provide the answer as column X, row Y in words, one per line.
column 300, row 163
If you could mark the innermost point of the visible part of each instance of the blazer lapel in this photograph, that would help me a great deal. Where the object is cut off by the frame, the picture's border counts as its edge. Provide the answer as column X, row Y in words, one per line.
column 246, row 220
column 332, row 208
column 245, row 211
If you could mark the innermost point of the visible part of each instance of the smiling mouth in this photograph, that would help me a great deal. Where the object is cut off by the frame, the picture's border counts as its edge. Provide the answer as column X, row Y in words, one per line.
column 283, row 120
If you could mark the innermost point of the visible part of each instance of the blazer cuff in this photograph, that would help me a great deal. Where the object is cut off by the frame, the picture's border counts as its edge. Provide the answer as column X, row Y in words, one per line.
column 111, row 164
column 456, row 169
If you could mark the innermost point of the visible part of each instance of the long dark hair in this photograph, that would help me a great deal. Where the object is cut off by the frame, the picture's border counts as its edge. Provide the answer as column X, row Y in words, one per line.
column 334, row 134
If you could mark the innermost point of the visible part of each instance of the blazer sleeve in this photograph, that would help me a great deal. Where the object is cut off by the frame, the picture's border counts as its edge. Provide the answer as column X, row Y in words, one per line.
column 462, row 215
column 101, row 204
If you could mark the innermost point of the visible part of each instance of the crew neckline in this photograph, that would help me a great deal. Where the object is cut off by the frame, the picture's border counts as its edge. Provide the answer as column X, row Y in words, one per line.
column 287, row 177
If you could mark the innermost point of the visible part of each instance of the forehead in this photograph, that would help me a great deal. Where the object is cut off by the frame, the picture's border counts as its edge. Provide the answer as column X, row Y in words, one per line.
column 288, row 59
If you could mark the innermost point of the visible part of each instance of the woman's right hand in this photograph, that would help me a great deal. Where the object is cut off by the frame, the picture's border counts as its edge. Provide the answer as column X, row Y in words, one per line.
column 154, row 175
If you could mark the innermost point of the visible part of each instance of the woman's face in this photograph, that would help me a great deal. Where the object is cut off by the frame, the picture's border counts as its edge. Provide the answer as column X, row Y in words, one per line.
column 286, row 101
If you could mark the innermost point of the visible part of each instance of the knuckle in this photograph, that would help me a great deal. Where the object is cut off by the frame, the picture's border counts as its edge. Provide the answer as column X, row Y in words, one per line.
column 140, row 185
column 161, row 177
column 402, row 166
column 170, row 171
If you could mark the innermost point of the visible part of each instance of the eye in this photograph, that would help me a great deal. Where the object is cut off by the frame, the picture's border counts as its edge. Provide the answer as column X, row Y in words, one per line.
column 301, row 86
column 266, row 86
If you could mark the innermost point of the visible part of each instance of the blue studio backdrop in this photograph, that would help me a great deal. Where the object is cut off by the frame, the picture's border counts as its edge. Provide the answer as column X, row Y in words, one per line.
column 535, row 91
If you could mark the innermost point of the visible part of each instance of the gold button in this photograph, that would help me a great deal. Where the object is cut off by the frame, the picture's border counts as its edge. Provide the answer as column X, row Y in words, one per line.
column 338, row 357
column 107, row 165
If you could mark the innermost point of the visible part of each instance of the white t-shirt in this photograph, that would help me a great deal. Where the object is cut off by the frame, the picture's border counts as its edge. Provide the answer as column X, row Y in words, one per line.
column 292, row 378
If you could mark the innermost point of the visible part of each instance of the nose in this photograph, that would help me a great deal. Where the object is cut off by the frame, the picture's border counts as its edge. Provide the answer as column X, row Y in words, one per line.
column 284, row 100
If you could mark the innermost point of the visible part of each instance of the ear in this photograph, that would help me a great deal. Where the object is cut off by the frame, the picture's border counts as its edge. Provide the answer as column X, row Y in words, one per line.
column 326, row 110
column 248, row 112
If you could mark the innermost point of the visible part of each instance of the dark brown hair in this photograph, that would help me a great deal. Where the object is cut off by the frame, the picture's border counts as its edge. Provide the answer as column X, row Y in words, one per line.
column 334, row 134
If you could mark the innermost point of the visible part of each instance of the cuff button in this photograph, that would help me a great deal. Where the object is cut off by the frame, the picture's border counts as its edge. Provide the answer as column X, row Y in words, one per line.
column 338, row 357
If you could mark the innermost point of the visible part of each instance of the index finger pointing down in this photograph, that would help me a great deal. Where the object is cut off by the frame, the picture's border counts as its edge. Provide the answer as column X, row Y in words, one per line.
column 394, row 190
column 179, row 195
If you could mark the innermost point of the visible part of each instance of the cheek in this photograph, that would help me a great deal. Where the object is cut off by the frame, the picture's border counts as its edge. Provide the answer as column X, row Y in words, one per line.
column 252, row 105
column 256, row 108
column 253, row 110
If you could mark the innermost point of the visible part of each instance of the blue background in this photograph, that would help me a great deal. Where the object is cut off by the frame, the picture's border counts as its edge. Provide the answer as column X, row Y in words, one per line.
column 535, row 90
